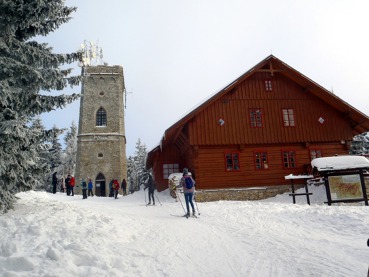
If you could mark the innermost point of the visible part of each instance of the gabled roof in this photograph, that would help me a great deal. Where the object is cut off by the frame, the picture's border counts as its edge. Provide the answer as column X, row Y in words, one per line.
column 271, row 64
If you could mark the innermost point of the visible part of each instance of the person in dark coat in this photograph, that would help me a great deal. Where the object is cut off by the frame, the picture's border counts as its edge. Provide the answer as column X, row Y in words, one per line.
column 151, row 186
column 67, row 184
column 111, row 191
column 124, row 187
column 84, row 188
column 55, row 182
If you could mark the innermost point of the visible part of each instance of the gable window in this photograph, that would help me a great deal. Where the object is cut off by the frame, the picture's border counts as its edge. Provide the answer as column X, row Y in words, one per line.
column 101, row 117
column 169, row 169
column 315, row 153
column 261, row 160
column 289, row 159
column 232, row 161
column 256, row 118
column 268, row 85
column 288, row 117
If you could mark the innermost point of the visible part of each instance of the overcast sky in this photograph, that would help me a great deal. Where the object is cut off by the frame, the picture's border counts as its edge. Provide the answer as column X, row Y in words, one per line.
column 176, row 53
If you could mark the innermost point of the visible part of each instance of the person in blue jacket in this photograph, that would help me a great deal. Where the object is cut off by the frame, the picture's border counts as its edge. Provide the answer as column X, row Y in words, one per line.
column 188, row 192
column 90, row 187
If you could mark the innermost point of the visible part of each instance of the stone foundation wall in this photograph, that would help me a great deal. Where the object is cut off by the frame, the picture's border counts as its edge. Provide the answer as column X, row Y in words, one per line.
column 254, row 193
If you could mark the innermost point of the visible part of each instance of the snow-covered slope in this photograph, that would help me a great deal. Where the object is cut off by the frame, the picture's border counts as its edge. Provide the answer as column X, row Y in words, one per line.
column 57, row 235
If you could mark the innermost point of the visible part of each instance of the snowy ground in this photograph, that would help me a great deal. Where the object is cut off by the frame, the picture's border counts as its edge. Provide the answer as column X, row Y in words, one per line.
column 56, row 235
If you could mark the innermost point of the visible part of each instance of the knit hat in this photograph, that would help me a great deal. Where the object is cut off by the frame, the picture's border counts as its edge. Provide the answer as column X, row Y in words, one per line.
column 185, row 171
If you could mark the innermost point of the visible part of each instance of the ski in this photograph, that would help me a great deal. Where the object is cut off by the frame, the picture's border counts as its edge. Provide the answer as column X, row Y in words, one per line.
column 186, row 216
column 176, row 215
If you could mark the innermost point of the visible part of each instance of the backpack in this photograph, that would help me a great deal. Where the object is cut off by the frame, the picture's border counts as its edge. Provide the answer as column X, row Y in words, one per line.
column 189, row 183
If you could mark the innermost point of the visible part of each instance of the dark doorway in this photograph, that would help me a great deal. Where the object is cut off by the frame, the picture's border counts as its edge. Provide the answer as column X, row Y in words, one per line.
column 100, row 185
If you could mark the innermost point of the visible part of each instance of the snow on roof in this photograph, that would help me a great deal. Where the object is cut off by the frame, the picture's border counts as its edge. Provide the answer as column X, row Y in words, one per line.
column 340, row 163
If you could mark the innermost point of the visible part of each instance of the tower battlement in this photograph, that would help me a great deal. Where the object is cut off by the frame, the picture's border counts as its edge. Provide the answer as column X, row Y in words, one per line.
column 104, row 69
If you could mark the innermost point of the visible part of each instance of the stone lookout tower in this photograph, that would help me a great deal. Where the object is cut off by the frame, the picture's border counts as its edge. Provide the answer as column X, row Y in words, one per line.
column 101, row 143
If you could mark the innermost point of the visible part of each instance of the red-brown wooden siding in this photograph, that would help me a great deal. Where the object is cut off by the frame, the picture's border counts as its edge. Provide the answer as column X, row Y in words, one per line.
column 208, row 166
column 212, row 173
column 234, row 107
column 170, row 156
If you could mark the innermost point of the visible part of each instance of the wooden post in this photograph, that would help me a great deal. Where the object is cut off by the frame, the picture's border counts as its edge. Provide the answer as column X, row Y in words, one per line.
column 307, row 193
column 293, row 192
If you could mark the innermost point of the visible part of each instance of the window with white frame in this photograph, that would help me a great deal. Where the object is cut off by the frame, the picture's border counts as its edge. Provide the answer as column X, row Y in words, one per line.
column 169, row 169
column 268, row 85
column 288, row 117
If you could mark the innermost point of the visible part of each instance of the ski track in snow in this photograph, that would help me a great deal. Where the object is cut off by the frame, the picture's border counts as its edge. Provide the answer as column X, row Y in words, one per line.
column 56, row 235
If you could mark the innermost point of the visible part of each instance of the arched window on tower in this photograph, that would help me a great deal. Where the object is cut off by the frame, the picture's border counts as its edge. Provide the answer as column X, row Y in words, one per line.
column 101, row 117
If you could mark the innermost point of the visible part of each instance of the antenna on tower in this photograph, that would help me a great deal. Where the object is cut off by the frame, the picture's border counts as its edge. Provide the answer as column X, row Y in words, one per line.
column 91, row 53
column 125, row 97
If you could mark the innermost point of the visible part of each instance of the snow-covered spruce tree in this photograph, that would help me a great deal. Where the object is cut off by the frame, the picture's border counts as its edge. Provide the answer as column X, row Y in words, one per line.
column 136, row 170
column 55, row 151
column 131, row 174
column 70, row 153
column 360, row 144
column 41, row 155
column 28, row 68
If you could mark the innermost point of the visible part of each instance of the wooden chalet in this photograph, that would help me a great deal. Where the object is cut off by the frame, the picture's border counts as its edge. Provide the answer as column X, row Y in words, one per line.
column 269, row 123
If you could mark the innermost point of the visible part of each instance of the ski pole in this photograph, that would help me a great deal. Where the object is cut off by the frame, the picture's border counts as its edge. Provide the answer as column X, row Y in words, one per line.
column 145, row 197
column 197, row 207
column 158, row 199
column 180, row 201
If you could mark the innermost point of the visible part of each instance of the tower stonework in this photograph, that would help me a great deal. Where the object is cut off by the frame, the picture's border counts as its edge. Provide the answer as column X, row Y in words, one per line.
column 101, row 143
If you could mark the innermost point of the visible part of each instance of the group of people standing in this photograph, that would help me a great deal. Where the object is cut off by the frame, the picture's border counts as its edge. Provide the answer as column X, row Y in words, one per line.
column 87, row 186
column 114, row 186
column 70, row 183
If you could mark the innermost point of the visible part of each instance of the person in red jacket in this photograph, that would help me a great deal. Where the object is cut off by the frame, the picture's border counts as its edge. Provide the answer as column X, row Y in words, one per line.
column 72, row 184
column 116, row 188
